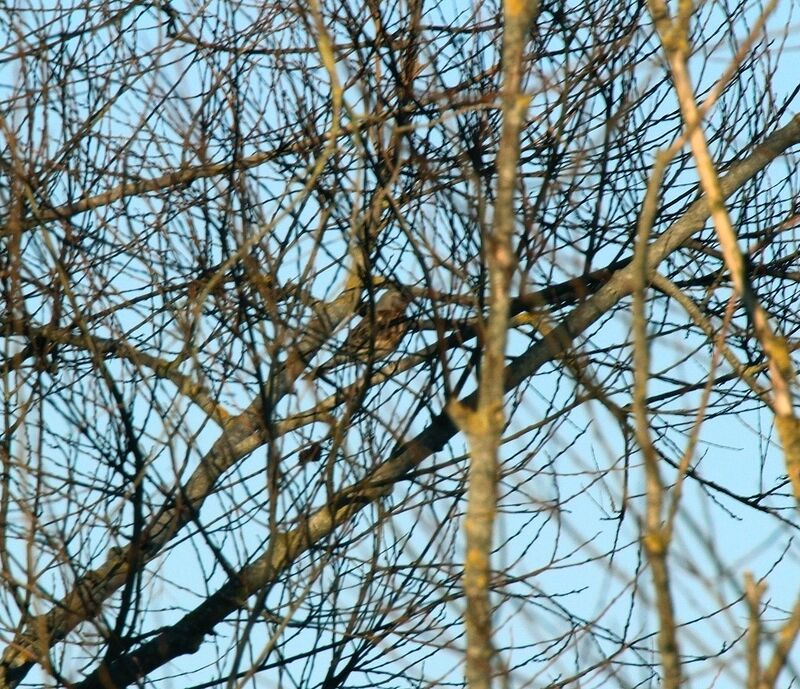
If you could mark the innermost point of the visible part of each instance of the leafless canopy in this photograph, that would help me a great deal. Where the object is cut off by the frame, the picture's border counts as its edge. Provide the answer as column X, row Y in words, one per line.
column 202, row 204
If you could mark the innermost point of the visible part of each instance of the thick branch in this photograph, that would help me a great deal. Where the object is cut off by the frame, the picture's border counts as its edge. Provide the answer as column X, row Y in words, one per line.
column 186, row 635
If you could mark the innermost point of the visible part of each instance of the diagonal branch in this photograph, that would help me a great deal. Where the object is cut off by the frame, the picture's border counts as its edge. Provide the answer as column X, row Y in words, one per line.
column 187, row 634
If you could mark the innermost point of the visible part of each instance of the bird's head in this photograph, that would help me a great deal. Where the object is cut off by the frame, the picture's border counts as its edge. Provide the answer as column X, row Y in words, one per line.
column 393, row 300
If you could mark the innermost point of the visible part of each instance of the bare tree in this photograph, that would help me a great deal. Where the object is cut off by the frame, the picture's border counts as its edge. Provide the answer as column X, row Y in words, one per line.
column 399, row 344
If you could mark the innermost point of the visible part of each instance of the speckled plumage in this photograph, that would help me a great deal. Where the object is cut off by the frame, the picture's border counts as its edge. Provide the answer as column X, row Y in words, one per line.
column 376, row 336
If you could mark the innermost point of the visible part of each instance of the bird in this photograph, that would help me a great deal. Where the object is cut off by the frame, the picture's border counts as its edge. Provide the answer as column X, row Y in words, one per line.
column 376, row 336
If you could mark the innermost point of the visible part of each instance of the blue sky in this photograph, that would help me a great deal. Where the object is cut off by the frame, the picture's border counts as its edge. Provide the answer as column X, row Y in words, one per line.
column 562, row 509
